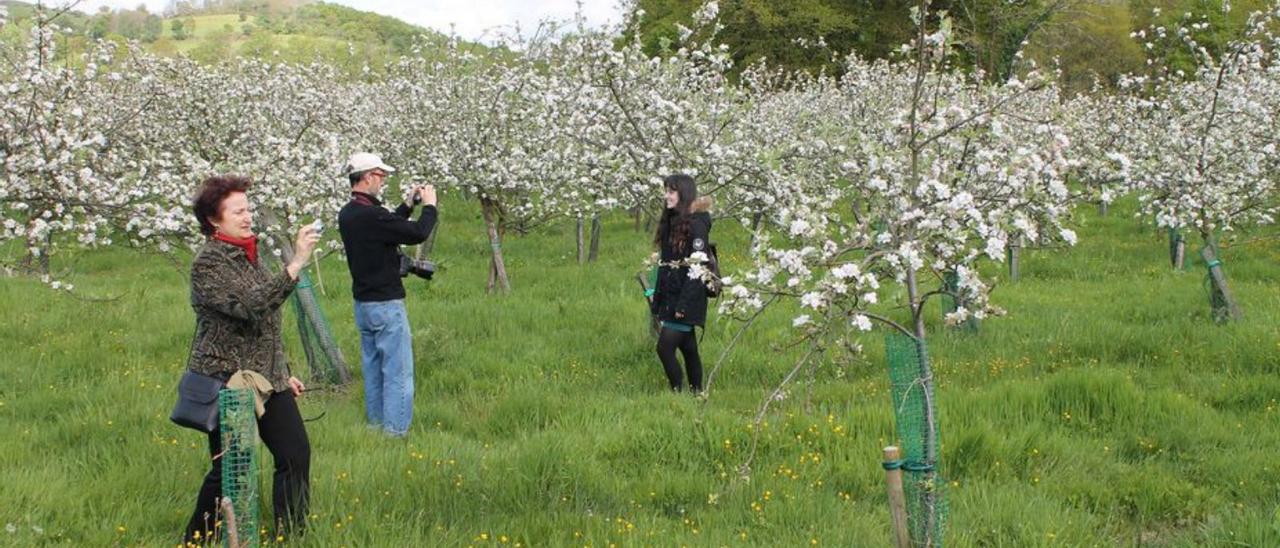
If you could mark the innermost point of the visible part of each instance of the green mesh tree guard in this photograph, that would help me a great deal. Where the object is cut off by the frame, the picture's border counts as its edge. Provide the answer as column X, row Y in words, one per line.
column 951, row 284
column 1223, row 305
column 1013, row 257
column 239, row 425
column 324, row 358
column 650, row 286
column 915, row 417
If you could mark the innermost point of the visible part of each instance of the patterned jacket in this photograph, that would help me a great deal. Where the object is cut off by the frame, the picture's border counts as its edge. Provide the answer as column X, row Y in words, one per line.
column 237, row 307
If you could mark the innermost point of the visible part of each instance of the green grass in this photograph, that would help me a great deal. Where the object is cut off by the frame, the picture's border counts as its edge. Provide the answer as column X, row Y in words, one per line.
column 213, row 28
column 1105, row 409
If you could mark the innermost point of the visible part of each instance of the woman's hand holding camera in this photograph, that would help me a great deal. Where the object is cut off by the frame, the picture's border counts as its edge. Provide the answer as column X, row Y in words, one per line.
column 303, row 246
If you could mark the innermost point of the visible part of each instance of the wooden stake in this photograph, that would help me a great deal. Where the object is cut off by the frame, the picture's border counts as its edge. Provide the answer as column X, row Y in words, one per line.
column 315, row 265
column 229, row 523
column 897, row 499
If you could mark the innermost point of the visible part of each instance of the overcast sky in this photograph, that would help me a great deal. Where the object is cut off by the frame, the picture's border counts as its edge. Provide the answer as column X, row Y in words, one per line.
column 472, row 19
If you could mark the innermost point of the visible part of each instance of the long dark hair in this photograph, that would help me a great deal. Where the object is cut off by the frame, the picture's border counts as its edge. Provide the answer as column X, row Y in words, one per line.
column 674, row 224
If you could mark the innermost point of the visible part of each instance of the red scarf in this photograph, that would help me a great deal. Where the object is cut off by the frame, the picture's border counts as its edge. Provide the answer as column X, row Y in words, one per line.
column 249, row 245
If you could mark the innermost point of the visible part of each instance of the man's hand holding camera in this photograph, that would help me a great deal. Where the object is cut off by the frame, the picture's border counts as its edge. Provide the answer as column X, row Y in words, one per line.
column 418, row 195
column 422, row 194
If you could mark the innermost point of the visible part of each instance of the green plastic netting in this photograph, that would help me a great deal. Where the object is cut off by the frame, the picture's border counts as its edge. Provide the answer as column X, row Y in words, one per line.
column 239, row 425
column 324, row 358
column 951, row 284
column 1215, row 281
column 649, row 283
column 915, row 417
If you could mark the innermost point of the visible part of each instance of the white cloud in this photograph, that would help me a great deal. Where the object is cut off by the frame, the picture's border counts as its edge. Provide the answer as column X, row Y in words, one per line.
column 471, row 19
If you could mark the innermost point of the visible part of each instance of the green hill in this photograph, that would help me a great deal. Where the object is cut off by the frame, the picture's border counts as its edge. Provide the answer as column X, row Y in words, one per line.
column 289, row 30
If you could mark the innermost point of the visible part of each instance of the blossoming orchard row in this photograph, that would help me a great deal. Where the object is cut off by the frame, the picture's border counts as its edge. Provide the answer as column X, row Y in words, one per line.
column 894, row 170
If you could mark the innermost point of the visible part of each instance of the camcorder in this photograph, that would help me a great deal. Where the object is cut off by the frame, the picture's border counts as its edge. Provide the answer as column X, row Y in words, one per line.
column 421, row 268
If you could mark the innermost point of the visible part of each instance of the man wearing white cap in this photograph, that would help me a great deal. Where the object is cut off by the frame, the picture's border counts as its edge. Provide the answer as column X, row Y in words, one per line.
column 372, row 236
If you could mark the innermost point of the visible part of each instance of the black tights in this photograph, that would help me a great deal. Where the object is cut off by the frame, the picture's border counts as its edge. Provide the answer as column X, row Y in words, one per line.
column 281, row 430
column 668, row 341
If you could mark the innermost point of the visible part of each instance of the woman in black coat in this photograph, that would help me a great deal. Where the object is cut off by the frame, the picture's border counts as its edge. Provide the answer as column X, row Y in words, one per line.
column 680, row 302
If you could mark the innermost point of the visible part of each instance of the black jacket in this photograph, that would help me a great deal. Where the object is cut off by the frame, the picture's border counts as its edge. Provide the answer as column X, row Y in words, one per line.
column 675, row 291
column 372, row 237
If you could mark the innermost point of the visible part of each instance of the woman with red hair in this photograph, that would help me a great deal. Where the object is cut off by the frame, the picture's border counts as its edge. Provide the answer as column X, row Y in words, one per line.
column 237, row 304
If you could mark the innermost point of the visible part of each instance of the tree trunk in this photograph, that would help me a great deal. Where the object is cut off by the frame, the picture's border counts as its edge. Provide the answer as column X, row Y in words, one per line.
column 46, row 248
column 596, row 226
column 1177, row 249
column 582, row 243
column 1225, row 308
column 1103, row 208
column 1014, row 253
column 755, row 229
column 498, row 280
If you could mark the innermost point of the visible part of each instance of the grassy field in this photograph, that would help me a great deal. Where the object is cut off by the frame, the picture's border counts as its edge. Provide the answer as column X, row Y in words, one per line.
column 1105, row 410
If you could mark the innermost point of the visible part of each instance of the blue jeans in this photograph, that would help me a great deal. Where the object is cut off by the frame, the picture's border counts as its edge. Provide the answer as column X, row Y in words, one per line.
column 386, row 356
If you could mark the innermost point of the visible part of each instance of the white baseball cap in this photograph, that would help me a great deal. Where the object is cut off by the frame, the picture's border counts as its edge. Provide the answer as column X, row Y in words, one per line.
column 365, row 161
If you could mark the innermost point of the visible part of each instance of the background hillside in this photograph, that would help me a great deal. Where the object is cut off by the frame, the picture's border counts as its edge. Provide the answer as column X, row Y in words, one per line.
column 1089, row 40
column 292, row 30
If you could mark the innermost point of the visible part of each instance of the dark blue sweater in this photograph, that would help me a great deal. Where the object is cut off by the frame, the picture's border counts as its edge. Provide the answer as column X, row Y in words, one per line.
column 372, row 237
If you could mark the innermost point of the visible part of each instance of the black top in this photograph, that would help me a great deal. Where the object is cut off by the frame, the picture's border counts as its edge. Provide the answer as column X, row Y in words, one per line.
column 372, row 237
column 676, row 292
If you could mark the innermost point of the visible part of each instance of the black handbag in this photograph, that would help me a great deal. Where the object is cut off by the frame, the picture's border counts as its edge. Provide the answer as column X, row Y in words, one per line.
column 197, row 405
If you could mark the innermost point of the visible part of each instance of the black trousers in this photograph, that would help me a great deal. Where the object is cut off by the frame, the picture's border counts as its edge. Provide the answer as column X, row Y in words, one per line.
column 282, row 431
column 668, row 341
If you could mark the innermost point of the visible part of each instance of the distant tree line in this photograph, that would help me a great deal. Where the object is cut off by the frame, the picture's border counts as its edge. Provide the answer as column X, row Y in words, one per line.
column 1088, row 39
